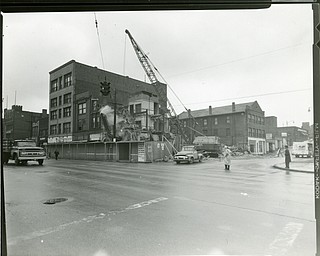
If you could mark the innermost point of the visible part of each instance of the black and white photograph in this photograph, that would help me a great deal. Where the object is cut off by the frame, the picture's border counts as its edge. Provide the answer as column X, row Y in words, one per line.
column 160, row 132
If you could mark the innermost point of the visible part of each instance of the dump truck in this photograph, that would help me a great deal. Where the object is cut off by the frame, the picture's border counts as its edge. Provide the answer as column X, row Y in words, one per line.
column 22, row 151
column 210, row 146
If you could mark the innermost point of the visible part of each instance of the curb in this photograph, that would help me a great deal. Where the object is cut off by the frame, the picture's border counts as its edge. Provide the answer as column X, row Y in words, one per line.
column 291, row 170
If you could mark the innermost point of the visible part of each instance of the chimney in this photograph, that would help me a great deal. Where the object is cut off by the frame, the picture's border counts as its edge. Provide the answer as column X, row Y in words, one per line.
column 44, row 113
column 210, row 110
column 233, row 107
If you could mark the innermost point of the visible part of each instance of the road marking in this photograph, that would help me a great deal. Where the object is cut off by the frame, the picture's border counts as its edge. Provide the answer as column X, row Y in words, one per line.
column 87, row 219
column 285, row 239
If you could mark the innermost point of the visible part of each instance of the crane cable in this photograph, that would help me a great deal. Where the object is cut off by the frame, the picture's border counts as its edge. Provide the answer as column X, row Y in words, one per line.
column 96, row 22
column 146, row 56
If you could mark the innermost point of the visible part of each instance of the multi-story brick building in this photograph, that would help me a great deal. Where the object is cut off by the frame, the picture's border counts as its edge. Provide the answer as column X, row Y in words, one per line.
column 241, row 125
column 18, row 123
column 273, row 138
column 75, row 100
column 40, row 129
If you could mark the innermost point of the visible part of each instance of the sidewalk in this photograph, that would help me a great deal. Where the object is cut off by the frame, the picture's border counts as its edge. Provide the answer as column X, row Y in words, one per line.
column 298, row 166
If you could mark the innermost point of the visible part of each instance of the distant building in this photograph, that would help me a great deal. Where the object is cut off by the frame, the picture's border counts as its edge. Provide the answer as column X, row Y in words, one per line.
column 290, row 134
column 309, row 128
column 18, row 123
column 40, row 129
column 241, row 125
column 76, row 100
column 273, row 139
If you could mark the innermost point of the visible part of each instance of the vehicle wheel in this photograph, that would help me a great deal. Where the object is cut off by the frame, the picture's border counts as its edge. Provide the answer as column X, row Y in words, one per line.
column 40, row 162
column 16, row 160
column 191, row 161
column 24, row 162
column 200, row 159
column 178, row 162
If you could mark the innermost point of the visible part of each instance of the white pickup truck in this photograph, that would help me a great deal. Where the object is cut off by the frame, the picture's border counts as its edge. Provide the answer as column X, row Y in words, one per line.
column 22, row 151
column 188, row 154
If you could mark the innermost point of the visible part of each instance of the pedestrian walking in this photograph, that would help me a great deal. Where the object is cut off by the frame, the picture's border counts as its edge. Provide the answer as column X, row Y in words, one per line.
column 56, row 153
column 227, row 158
column 279, row 152
column 287, row 156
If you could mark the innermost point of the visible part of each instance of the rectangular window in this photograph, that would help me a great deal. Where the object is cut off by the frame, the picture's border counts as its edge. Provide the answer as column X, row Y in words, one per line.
column 98, row 121
column 53, row 102
column 94, row 121
column 216, row 121
column 82, row 108
column 59, row 128
column 67, row 98
column 253, row 118
column 60, row 111
column 94, row 105
column 53, row 129
column 215, row 132
column 60, row 100
column 184, row 123
column 60, row 82
column 54, row 85
column 228, row 120
column 228, row 132
column 81, row 124
column 250, row 132
column 67, row 128
column 156, row 108
column 138, row 124
column 53, row 115
column 205, row 122
column 67, row 112
column 138, row 108
column 67, row 80
column 254, row 132
column 131, row 110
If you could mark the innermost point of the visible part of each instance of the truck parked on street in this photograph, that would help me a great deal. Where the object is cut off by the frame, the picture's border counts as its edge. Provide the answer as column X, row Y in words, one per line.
column 22, row 151
column 302, row 149
column 188, row 154
column 210, row 146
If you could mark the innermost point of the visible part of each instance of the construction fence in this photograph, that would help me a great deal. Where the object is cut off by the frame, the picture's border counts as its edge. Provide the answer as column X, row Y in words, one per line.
column 129, row 151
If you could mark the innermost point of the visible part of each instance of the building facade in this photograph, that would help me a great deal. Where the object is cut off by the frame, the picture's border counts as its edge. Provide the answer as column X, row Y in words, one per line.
column 240, row 125
column 75, row 100
column 18, row 123
column 290, row 134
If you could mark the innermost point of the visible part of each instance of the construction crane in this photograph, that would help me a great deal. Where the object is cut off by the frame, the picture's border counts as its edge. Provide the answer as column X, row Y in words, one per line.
column 150, row 70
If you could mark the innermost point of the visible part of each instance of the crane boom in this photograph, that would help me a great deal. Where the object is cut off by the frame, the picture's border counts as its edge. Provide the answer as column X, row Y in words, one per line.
column 150, row 69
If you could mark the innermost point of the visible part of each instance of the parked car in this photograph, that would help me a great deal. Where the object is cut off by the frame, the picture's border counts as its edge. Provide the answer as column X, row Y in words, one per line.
column 188, row 154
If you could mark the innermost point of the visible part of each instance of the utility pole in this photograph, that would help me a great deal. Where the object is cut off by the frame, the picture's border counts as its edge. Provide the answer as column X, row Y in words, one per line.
column 316, row 106
column 115, row 116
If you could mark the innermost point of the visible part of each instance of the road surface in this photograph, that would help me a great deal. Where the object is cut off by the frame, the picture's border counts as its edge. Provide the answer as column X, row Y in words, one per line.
column 114, row 209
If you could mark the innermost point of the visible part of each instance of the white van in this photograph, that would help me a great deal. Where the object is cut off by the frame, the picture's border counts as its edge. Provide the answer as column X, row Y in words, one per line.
column 302, row 149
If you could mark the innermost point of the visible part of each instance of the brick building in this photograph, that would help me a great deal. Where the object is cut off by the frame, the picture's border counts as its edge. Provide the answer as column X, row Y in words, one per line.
column 75, row 100
column 290, row 134
column 18, row 123
column 240, row 125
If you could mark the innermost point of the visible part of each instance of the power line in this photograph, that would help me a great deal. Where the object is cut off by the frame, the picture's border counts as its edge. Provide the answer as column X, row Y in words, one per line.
column 250, row 96
column 96, row 22
column 237, row 60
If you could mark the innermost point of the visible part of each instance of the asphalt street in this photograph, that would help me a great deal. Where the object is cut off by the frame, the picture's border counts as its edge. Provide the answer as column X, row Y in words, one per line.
column 113, row 208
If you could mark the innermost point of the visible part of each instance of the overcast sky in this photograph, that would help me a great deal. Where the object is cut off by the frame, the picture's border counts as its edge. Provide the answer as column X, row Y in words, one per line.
column 206, row 57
